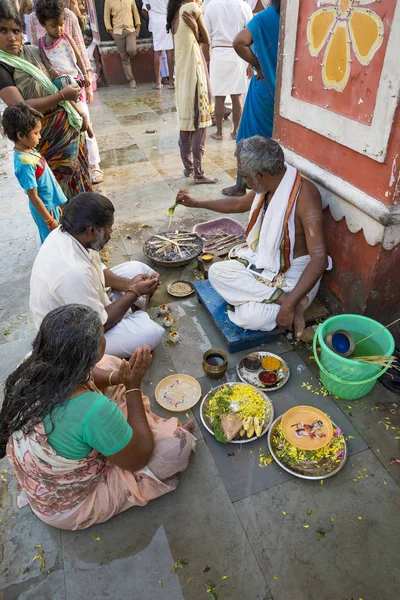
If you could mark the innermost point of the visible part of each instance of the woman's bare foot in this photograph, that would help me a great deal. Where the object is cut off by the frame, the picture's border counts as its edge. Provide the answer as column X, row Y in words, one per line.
column 190, row 426
column 204, row 179
column 234, row 190
column 216, row 136
column 299, row 322
column 132, row 84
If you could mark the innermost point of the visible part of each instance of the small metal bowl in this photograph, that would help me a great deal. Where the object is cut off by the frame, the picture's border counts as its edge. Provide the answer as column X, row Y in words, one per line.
column 207, row 257
column 271, row 374
column 252, row 363
column 215, row 370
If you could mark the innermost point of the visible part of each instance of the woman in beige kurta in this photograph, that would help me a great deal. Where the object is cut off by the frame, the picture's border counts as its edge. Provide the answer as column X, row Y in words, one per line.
column 193, row 96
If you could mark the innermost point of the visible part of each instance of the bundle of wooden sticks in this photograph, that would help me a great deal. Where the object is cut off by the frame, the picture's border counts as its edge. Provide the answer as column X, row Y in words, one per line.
column 221, row 243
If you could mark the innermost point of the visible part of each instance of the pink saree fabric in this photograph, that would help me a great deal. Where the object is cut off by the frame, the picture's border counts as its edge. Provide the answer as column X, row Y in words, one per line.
column 75, row 494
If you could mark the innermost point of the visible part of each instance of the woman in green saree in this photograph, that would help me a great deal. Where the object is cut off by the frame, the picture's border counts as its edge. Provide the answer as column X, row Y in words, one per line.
column 23, row 77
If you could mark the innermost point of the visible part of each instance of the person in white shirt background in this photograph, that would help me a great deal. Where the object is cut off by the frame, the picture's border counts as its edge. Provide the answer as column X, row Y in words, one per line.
column 162, row 41
column 224, row 19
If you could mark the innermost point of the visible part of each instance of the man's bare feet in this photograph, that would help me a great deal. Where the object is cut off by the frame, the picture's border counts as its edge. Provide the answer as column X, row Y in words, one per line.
column 299, row 322
column 216, row 136
column 234, row 190
column 132, row 84
column 234, row 135
column 190, row 426
column 199, row 180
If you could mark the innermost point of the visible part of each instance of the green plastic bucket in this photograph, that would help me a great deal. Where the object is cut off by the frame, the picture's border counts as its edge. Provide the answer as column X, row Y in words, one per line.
column 337, row 386
column 360, row 327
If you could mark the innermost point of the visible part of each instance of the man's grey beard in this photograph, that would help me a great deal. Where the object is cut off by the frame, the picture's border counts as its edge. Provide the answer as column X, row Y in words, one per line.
column 99, row 243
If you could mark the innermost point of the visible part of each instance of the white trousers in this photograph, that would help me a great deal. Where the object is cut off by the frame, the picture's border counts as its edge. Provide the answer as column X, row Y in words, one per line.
column 135, row 329
column 91, row 143
column 242, row 290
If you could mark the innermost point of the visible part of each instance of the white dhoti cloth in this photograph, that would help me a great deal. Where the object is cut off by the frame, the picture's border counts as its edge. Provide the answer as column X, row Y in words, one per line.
column 135, row 329
column 158, row 27
column 227, row 72
column 237, row 285
column 268, row 252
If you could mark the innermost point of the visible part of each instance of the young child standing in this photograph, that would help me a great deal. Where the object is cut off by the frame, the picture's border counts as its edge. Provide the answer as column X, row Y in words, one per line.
column 61, row 56
column 22, row 125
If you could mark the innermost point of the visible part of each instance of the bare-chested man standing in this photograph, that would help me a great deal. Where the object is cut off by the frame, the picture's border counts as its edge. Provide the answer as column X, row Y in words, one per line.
column 275, row 277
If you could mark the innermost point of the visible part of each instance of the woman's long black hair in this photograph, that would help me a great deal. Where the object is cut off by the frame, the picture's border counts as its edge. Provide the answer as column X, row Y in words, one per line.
column 173, row 7
column 64, row 351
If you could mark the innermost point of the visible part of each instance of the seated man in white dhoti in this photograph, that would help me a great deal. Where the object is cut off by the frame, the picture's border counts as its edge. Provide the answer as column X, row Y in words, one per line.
column 162, row 41
column 68, row 270
column 224, row 19
column 276, row 275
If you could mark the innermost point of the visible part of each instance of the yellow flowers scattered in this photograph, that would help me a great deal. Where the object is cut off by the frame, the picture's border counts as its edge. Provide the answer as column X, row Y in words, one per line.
column 265, row 460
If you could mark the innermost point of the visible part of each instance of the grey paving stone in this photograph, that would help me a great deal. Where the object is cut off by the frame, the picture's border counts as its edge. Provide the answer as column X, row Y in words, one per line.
column 11, row 353
column 138, row 548
column 346, row 549
column 21, row 532
column 241, row 473
column 122, row 156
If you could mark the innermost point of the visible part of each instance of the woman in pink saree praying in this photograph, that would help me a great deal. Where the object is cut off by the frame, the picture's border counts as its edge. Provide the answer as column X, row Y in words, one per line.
column 82, row 441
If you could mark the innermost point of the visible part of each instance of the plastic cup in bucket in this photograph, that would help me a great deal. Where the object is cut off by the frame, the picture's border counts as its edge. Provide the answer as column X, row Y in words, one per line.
column 381, row 343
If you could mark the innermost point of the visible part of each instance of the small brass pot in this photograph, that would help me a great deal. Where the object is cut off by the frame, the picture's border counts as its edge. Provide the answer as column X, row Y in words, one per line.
column 216, row 370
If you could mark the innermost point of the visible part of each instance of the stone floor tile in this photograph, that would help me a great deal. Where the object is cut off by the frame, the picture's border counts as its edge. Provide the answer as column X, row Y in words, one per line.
column 346, row 548
column 138, row 548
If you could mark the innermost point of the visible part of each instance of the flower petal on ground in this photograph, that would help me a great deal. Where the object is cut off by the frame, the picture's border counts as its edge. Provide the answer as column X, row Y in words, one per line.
column 318, row 28
column 366, row 31
column 336, row 63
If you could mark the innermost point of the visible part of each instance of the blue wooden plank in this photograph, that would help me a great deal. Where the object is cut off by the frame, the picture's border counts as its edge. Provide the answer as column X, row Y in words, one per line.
column 235, row 337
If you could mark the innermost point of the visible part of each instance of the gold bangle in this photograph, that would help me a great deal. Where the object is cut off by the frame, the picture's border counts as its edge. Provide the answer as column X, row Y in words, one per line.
column 110, row 377
column 133, row 390
column 49, row 220
column 62, row 95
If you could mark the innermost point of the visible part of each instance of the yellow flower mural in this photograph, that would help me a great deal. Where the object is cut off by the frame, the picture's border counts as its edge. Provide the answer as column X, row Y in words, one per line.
column 343, row 23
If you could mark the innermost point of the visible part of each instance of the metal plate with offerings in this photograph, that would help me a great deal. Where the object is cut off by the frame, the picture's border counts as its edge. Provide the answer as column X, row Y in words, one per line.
column 264, row 370
column 236, row 413
column 173, row 248
column 180, row 288
column 178, row 393
column 312, row 464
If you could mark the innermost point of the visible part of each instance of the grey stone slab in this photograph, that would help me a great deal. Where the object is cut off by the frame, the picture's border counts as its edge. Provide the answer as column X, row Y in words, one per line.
column 121, row 156
column 11, row 353
column 138, row 548
column 377, row 419
column 17, row 257
column 48, row 587
column 144, row 117
column 197, row 334
column 24, row 536
column 355, row 553
column 242, row 473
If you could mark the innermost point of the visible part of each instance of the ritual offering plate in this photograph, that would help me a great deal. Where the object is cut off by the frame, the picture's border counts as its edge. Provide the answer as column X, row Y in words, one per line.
column 178, row 393
column 307, row 464
column 236, row 413
column 307, row 428
column 180, row 289
column 173, row 248
column 264, row 370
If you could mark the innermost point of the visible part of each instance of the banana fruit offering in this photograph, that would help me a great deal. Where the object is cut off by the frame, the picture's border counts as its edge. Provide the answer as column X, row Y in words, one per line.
column 251, row 426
